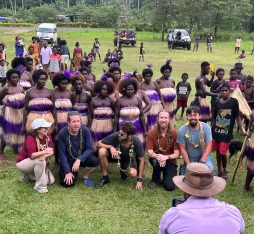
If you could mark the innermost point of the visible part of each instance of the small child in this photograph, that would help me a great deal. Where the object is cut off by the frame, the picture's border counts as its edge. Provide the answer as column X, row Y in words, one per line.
column 250, row 156
column 241, row 56
column 3, row 64
column 249, row 91
column 54, row 62
column 183, row 90
column 107, row 56
column 141, row 51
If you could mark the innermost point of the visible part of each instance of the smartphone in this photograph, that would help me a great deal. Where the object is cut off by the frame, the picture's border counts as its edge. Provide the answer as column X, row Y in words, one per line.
column 212, row 67
column 177, row 201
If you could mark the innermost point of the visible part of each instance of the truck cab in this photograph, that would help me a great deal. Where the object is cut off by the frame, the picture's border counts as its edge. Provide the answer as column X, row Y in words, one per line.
column 48, row 32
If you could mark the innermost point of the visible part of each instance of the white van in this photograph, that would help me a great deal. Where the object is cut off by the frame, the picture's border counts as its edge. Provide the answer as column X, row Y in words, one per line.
column 48, row 32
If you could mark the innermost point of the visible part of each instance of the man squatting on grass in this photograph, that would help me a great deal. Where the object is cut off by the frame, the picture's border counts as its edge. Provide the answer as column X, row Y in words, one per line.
column 125, row 148
column 75, row 150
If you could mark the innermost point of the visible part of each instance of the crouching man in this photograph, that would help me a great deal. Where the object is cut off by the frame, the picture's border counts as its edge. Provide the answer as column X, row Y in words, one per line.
column 75, row 150
column 127, row 150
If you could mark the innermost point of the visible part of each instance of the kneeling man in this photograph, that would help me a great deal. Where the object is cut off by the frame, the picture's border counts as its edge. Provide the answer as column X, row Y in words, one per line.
column 163, row 151
column 127, row 149
column 75, row 150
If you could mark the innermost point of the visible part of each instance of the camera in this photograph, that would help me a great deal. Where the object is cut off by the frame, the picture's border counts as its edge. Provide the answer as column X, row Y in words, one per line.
column 177, row 201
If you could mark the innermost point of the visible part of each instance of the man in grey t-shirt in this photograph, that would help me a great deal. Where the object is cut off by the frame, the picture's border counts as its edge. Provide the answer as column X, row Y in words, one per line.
column 195, row 140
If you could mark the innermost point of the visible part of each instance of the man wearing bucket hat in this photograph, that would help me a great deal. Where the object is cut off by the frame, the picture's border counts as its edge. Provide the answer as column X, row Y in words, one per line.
column 201, row 213
column 239, row 67
column 33, row 159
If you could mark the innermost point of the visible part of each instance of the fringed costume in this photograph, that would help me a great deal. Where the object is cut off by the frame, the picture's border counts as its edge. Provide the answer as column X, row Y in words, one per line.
column 102, row 124
column 62, row 106
column 82, row 109
column 11, row 119
column 169, row 95
column 152, row 114
column 39, row 108
column 131, row 114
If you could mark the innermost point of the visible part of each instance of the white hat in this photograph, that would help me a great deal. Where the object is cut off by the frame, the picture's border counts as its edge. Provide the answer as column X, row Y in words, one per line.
column 40, row 123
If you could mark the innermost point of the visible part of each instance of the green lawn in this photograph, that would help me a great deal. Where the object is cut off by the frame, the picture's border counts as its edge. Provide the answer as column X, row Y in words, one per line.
column 117, row 208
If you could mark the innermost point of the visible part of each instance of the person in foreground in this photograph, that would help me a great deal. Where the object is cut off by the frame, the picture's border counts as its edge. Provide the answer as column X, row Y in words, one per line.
column 163, row 151
column 33, row 159
column 201, row 213
column 75, row 150
column 127, row 149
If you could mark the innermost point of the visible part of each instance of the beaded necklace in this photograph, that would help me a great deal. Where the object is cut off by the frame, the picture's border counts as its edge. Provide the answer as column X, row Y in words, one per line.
column 201, row 137
column 41, row 147
column 131, row 154
column 80, row 134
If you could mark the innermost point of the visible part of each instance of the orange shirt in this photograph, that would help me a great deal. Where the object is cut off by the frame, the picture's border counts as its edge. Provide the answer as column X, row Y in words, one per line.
column 36, row 48
column 154, row 141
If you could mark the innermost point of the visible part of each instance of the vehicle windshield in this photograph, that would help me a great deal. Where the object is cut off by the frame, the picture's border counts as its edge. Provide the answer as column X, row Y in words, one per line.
column 183, row 32
column 45, row 30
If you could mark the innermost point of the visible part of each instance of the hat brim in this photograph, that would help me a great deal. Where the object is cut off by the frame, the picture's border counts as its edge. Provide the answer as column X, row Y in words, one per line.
column 216, row 187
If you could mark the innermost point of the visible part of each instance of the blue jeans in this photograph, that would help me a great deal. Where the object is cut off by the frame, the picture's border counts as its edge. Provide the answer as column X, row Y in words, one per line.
column 209, row 162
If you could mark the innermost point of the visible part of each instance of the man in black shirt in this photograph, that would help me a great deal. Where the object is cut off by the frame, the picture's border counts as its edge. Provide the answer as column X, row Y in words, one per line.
column 125, row 148
column 226, row 112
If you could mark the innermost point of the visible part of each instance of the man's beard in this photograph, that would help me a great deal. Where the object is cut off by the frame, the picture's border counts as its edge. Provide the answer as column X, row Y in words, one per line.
column 193, row 124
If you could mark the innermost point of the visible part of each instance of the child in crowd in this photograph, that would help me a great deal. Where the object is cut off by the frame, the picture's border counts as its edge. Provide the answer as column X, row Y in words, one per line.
column 65, row 55
column 249, row 91
column 183, row 90
column 54, row 62
column 250, row 156
column 141, row 51
column 3, row 65
column 241, row 56
column 107, row 56
column 233, row 82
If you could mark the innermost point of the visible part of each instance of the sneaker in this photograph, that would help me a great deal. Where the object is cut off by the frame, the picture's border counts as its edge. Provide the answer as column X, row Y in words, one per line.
column 88, row 182
column 102, row 183
column 152, row 184
column 224, row 175
column 41, row 190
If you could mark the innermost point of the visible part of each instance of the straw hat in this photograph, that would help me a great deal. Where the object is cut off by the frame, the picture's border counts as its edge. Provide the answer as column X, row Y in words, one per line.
column 199, row 181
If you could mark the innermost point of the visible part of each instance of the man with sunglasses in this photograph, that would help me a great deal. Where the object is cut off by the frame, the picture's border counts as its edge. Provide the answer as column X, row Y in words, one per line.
column 195, row 140
column 127, row 150
column 75, row 150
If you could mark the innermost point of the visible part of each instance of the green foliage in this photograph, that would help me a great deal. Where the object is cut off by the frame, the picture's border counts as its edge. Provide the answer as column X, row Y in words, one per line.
column 5, row 12
column 77, row 24
column 16, row 24
column 44, row 14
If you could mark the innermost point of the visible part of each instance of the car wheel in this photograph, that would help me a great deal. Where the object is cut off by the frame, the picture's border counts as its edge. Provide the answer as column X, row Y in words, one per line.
column 189, row 47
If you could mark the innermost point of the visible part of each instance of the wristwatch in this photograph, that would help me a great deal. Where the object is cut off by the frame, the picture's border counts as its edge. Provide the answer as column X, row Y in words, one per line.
column 139, row 179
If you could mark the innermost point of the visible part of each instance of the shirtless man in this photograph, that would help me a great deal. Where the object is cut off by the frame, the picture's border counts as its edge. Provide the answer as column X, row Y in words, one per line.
column 201, row 83
column 90, row 76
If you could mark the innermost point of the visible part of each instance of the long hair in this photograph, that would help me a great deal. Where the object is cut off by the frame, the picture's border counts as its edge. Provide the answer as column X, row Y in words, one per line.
column 158, row 129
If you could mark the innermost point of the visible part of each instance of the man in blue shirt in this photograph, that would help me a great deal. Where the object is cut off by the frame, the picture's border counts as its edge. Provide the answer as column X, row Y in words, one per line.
column 195, row 139
column 75, row 150
column 19, row 47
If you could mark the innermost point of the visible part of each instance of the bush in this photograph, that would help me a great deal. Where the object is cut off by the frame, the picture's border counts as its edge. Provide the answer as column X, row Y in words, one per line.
column 16, row 25
column 77, row 24
column 44, row 14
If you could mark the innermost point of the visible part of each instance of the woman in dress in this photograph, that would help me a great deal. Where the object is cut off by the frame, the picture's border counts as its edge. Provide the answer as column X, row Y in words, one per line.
column 77, row 56
column 167, row 85
column 101, row 111
column 34, row 156
column 80, row 98
column 153, row 92
column 39, row 102
column 128, row 108
column 12, row 101
column 26, row 77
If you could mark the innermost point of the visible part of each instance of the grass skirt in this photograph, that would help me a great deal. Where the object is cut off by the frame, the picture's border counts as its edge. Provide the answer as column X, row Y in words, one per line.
column 102, row 124
column 11, row 120
column 39, row 108
column 204, row 110
column 250, row 155
column 169, row 95
column 63, row 106
column 131, row 114
column 152, row 114
column 82, row 108
column 25, row 84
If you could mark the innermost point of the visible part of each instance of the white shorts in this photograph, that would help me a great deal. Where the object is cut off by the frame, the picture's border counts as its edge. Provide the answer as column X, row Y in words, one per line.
column 64, row 59
column 3, row 70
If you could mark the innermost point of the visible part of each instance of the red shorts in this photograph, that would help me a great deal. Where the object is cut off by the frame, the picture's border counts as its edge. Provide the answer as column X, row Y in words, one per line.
column 220, row 146
column 182, row 102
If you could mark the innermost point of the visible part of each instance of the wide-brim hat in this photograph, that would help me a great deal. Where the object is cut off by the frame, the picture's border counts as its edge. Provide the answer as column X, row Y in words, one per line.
column 199, row 181
column 40, row 123
column 239, row 66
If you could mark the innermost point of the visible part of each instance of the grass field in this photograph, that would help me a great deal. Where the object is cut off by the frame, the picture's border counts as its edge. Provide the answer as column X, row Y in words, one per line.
column 117, row 208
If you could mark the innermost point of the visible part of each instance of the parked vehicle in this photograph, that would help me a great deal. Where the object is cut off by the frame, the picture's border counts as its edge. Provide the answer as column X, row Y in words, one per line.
column 181, row 39
column 48, row 32
column 127, row 37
